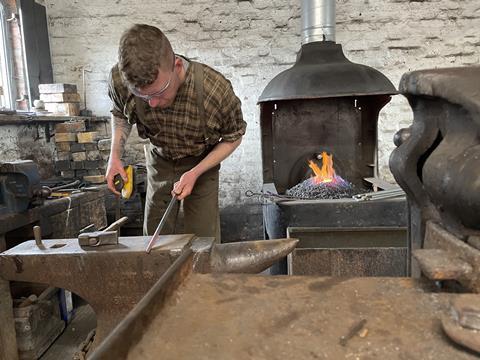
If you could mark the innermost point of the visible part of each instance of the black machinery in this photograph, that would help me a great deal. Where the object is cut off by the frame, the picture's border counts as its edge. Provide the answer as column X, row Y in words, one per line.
column 20, row 186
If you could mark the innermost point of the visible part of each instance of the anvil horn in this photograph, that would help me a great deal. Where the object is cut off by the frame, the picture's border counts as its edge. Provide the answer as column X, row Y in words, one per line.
column 249, row 257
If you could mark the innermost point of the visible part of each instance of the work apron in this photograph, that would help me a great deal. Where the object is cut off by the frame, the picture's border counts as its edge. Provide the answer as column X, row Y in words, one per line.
column 200, row 208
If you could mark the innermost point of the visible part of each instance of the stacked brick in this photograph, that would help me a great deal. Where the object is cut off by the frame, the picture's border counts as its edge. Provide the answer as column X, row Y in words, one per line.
column 80, row 154
column 60, row 99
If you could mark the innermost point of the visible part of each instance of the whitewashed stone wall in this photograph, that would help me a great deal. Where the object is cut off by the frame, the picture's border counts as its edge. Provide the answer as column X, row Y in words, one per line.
column 252, row 41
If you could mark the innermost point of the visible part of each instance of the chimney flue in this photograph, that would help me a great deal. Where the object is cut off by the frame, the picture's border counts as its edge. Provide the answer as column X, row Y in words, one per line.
column 318, row 21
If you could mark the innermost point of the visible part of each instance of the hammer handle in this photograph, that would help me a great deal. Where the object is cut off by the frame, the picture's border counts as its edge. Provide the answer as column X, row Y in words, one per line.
column 116, row 225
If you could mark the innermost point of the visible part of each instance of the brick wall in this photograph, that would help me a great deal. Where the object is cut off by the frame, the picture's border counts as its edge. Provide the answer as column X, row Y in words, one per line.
column 31, row 140
column 252, row 41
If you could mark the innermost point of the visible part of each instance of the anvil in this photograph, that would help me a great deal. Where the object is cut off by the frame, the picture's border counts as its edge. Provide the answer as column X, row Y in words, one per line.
column 113, row 278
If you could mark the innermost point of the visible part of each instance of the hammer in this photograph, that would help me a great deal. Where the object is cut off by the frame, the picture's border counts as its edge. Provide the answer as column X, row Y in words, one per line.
column 107, row 236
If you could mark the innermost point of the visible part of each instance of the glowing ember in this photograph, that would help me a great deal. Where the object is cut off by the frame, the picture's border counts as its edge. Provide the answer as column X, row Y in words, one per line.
column 325, row 184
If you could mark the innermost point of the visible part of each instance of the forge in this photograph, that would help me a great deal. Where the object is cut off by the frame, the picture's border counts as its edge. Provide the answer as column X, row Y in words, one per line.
column 319, row 119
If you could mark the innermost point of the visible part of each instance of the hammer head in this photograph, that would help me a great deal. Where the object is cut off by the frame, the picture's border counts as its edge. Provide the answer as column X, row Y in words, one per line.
column 98, row 238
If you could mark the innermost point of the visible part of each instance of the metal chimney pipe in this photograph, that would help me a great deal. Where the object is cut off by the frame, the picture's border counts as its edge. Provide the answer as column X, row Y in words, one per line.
column 318, row 20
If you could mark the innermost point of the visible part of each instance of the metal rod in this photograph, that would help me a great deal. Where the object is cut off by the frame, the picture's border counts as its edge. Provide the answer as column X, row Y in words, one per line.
column 37, row 234
column 385, row 194
column 64, row 186
column 161, row 224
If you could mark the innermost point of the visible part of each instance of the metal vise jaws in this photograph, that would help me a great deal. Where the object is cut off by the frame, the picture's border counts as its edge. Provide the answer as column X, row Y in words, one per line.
column 19, row 186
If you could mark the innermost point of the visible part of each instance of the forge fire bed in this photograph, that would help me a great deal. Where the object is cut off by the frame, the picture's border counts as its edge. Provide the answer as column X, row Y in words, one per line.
column 206, row 316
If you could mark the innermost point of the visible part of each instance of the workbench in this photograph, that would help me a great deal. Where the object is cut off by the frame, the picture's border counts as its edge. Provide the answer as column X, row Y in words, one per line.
column 58, row 218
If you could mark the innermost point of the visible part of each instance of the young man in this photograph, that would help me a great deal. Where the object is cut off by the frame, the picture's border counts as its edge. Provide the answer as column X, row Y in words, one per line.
column 191, row 116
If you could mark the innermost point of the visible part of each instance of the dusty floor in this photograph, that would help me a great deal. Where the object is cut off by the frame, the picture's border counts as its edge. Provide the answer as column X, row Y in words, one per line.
column 256, row 317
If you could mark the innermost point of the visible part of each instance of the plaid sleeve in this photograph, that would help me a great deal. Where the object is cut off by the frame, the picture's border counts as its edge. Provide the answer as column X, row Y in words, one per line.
column 233, row 125
column 116, row 93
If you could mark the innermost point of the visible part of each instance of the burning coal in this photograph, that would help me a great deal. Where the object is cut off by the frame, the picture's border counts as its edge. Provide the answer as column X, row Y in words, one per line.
column 325, row 184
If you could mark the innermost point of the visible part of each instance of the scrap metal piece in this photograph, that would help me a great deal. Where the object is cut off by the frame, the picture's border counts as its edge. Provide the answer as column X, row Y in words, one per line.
column 463, row 326
column 440, row 265
column 463, row 336
column 437, row 237
column 354, row 330
column 249, row 257
column 466, row 309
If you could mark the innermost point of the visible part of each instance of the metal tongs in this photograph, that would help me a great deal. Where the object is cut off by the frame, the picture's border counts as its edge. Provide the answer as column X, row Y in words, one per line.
column 377, row 195
column 161, row 224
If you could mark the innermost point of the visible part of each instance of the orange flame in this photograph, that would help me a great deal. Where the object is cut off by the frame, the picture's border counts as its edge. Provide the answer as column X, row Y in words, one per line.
column 327, row 173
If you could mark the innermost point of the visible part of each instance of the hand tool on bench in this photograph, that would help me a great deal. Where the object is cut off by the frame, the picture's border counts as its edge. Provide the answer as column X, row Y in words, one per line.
column 161, row 224
column 107, row 236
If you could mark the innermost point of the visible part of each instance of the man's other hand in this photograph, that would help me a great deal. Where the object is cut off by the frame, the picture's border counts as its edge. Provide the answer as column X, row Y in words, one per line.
column 115, row 166
column 183, row 187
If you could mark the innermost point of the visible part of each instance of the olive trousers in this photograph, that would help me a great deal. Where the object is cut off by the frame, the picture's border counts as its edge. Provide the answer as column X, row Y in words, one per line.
column 200, row 208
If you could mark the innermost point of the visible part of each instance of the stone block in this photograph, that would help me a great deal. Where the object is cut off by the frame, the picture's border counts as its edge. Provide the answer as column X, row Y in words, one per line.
column 63, row 146
column 91, row 147
column 57, row 88
column 69, row 109
column 79, row 156
column 65, row 137
column 68, row 174
column 80, row 173
column 77, row 165
column 76, row 147
column 91, row 164
column 104, row 144
column 62, row 165
column 102, row 128
column 93, row 172
column 95, row 179
column 63, row 155
column 94, row 164
column 105, row 155
column 60, row 98
column 70, row 127
column 93, row 155
column 87, row 137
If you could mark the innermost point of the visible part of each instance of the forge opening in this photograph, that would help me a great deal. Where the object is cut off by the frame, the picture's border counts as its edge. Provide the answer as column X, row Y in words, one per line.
column 322, row 181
